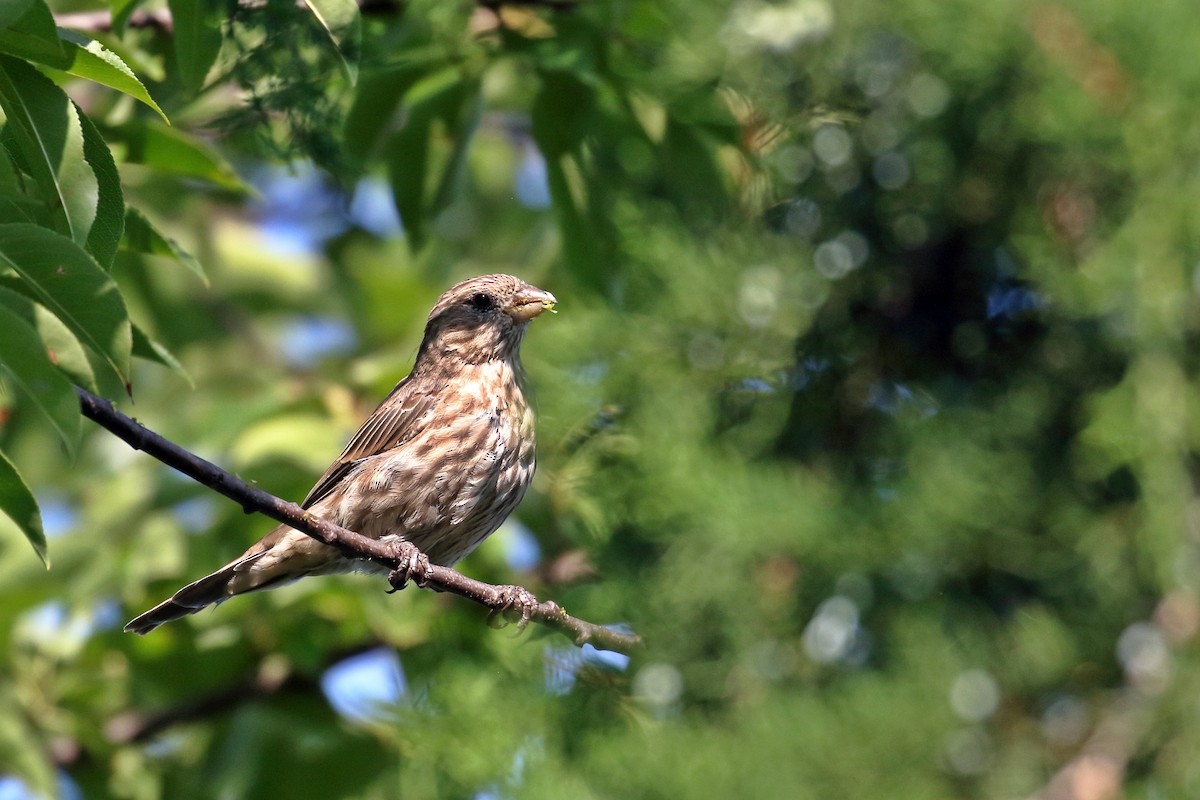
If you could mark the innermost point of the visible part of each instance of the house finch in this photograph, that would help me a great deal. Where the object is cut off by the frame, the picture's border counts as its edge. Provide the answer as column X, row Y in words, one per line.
column 440, row 464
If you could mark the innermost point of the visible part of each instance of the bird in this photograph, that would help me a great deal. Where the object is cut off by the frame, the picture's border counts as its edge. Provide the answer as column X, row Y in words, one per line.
column 440, row 464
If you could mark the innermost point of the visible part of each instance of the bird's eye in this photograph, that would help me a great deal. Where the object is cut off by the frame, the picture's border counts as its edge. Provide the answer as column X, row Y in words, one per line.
column 483, row 301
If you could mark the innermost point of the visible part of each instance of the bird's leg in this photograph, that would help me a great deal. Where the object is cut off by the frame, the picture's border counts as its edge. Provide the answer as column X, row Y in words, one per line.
column 514, row 599
column 411, row 565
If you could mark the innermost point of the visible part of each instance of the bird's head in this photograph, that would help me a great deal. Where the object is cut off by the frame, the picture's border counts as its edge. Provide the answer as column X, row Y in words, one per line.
column 483, row 318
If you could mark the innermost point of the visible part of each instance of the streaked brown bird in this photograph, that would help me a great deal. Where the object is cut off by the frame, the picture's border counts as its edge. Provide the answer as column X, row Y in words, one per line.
column 440, row 464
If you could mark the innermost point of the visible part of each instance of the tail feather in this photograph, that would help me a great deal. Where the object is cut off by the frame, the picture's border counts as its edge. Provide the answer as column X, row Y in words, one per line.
column 209, row 590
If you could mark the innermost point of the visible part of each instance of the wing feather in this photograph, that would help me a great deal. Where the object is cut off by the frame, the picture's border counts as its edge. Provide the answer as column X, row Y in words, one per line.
column 398, row 419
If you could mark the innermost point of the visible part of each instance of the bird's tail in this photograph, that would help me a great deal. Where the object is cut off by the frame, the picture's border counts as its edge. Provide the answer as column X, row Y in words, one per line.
column 215, row 588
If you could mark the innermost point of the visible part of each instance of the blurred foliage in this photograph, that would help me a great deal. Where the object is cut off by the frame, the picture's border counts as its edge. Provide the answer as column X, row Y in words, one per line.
column 870, row 405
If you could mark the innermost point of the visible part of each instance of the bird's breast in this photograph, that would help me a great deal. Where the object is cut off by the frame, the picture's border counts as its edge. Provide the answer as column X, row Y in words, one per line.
column 452, row 484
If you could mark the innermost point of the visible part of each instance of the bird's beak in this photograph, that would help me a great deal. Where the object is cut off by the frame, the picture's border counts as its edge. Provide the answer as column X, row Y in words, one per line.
column 529, row 303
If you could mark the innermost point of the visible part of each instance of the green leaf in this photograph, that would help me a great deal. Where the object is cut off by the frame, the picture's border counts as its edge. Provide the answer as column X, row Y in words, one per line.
column 372, row 111
column 144, row 64
column 343, row 22
column 463, row 127
column 63, row 277
column 10, row 208
column 705, row 111
column 13, row 10
column 49, row 144
column 83, row 57
column 408, row 157
column 17, row 503
column 9, row 182
column 197, row 38
column 15, row 204
column 578, row 251
column 105, row 235
column 438, row 97
column 23, row 356
column 689, row 164
column 173, row 151
column 146, row 348
column 141, row 236
column 91, row 60
column 63, row 349
column 562, row 113
column 33, row 36
column 122, row 10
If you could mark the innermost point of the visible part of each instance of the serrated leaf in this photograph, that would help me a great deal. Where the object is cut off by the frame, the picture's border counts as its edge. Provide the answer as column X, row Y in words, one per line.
column 146, row 348
column 91, row 60
column 173, row 151
column 146, row 65
column 49, row 144
column 65, row 279
column 105, row 235
column 23, row 356
column 197, row 39
column 33, row 35
column 142, row 236
column 17, row 503
column 343, row 22
column 63, row 349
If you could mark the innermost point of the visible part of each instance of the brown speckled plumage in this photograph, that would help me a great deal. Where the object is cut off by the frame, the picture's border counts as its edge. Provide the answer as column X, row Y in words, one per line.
column 441, row 463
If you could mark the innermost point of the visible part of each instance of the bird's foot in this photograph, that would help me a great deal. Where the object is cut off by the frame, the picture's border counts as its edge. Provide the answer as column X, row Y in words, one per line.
column 516, row 602
column 411, row 565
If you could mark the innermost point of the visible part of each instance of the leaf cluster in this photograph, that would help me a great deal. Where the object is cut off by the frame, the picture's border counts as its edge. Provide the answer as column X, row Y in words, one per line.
column 869, row 405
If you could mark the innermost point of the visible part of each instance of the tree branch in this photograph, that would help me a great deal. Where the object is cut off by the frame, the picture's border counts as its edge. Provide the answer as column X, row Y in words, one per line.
column 132, row 727
column 439, row 578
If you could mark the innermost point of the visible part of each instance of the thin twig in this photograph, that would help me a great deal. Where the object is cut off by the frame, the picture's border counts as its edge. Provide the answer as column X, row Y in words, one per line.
column 132, row 727
column 251, row 499
column 271, row 678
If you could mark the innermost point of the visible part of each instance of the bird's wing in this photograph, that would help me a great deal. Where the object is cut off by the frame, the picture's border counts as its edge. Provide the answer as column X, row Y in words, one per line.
column 398, row 418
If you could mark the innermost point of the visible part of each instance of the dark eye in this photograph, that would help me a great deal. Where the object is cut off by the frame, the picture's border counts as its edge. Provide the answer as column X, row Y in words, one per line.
column 483, row 301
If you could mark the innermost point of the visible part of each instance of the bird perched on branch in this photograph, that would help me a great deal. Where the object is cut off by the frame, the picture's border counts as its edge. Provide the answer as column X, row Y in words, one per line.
column 440, row 464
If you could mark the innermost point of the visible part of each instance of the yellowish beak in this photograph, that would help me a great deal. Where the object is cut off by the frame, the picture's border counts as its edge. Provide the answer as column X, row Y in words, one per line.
column 528, row 305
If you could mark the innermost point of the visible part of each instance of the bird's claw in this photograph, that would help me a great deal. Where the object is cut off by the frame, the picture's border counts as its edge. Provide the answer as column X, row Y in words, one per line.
column 515, row 602
column 411, row 565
